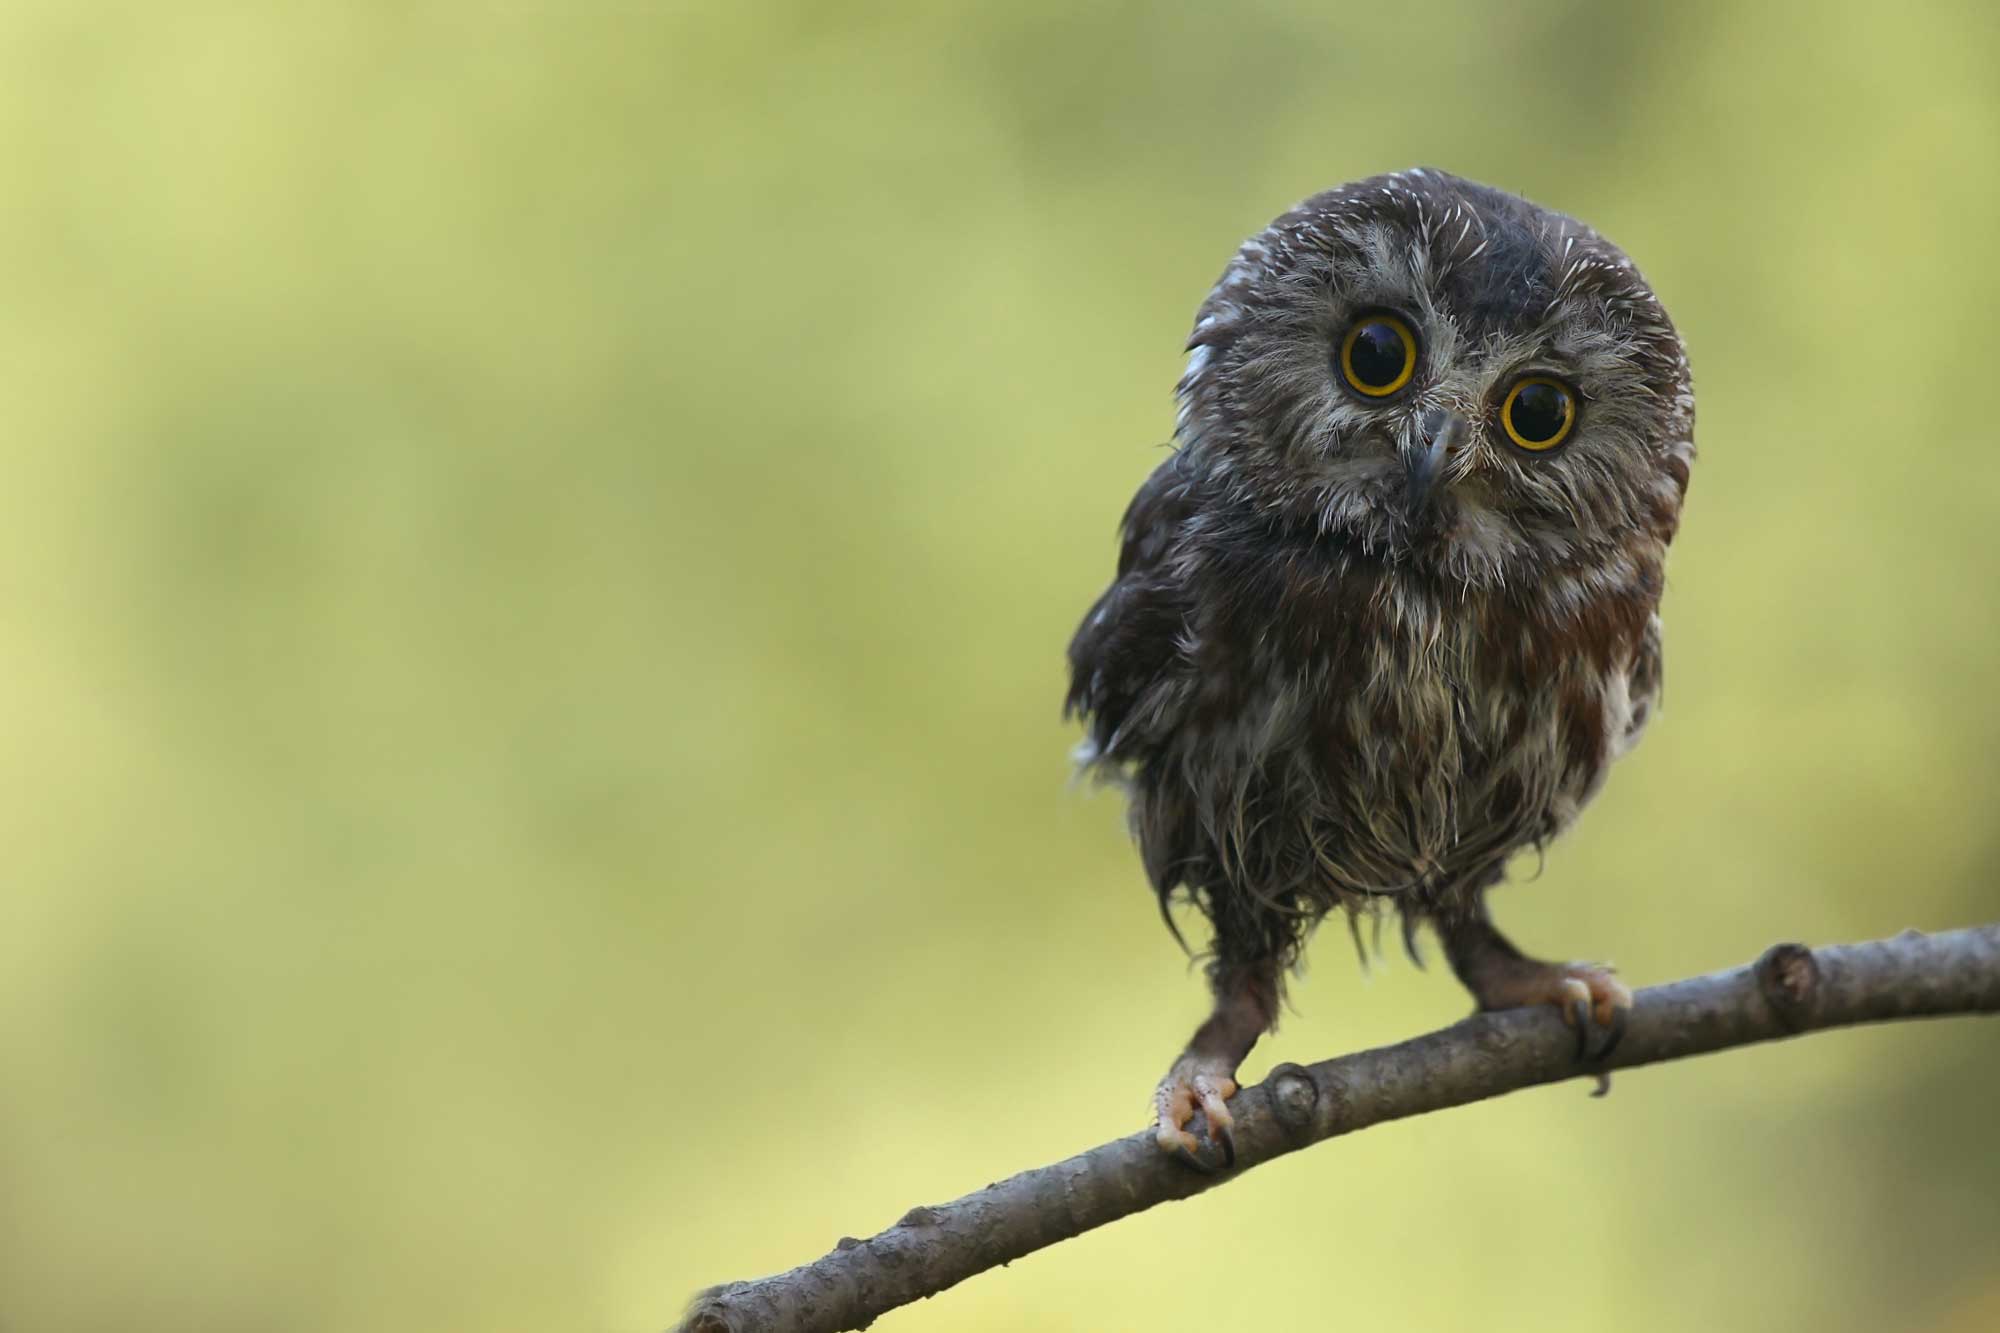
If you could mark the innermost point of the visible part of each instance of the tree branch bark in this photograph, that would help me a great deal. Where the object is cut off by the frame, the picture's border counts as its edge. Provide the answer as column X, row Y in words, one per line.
column 1790, row 990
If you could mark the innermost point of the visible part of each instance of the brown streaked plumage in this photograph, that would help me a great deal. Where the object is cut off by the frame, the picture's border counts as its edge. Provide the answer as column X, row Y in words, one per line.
column 1389, row 611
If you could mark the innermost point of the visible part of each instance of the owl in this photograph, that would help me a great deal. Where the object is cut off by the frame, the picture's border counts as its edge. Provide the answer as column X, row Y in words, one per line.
column 1389, row 611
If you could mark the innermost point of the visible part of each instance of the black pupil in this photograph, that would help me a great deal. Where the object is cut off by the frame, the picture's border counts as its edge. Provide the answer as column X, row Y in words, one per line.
column 1378, row 356
column 1539, row 412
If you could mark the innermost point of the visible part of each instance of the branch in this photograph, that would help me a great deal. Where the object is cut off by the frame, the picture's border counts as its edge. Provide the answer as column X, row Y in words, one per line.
column 1790, row 990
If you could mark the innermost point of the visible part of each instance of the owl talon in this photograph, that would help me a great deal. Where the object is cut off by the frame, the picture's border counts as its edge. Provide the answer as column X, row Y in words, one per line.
column 1576, row 1013
column 1608, row 1004
column 1616, row 1029
column 1192, row 1160
column 1195, row 1084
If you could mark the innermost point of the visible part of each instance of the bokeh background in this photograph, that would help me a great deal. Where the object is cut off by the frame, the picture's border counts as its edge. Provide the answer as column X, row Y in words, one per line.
column 535, row 552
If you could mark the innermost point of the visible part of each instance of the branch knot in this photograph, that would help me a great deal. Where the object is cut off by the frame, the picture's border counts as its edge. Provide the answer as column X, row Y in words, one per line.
column 1788, row 978
column 1294, row 1097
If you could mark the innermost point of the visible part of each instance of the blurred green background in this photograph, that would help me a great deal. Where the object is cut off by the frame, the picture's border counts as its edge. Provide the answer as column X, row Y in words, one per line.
column 535, row 556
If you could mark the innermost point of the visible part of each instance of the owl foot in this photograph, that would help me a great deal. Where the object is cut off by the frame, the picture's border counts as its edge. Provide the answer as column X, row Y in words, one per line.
column 1195, row 1083
column 1589, row 996
column 1594, row 1000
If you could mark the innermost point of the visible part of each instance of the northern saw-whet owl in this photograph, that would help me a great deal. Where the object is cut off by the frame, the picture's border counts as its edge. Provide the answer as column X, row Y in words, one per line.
column 1389, row 611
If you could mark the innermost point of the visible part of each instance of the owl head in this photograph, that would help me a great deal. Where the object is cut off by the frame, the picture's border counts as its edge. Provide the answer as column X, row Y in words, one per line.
column 1445, row 375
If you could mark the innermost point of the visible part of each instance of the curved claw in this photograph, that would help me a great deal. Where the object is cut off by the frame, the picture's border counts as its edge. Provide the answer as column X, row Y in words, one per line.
column 1193, row 1159
column 1620, row 1014
column 1576, row 1013
column 1596, row 1004
column 1573, row 999
column 1227, row 1138
column 1221, row 1124
column 1611, row 1012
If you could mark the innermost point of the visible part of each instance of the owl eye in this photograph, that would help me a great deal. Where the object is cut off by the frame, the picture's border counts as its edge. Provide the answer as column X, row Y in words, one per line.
column 1378, row 355
column 1539, row 413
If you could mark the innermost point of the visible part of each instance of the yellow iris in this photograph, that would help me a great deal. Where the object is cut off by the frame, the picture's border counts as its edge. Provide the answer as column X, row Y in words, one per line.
column 1378, row 356
column 1539, row 413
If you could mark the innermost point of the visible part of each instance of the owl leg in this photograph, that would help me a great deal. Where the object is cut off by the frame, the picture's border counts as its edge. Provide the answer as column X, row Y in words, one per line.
column 1204, row 1077
column 1590, row 996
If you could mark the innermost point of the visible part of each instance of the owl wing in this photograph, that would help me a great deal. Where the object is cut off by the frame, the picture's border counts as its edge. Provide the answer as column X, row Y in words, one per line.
column 1128, row 661
column 1644, row 681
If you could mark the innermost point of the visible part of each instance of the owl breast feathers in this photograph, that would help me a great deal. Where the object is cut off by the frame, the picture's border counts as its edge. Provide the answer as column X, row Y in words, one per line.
column 1389, row 611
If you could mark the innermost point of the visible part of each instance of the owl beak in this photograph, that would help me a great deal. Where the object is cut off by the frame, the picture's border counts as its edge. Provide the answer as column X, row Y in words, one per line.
column 1424, row 458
